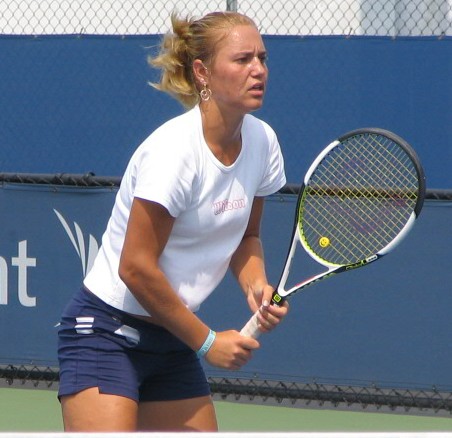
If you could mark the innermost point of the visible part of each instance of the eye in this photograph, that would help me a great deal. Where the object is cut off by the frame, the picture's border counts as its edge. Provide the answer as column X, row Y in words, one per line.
column 244, row 59
column 263, row 58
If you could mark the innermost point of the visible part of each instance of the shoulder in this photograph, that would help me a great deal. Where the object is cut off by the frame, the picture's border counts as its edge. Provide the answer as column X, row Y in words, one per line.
column 167, row 150
column 164, row 167
column 179, row 126
column 259, row 134
column 173, row 137
column 255, row 126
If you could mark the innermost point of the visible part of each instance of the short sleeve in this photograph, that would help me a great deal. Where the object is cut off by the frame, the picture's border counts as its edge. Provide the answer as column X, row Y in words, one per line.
column 274, row 176
column 164, row 173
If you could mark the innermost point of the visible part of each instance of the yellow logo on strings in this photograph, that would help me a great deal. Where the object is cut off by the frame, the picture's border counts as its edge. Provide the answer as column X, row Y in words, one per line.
column 324, row 242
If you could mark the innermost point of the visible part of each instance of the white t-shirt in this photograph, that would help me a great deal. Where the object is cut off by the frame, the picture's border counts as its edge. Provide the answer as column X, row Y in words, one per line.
column 210, row 201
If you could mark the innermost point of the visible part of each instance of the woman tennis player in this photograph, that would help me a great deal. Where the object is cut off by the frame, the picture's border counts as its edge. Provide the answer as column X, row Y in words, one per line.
column 189, row 207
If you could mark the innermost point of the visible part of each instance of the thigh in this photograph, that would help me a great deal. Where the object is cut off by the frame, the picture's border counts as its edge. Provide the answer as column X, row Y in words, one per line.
column 194, row 414
column 91, row 411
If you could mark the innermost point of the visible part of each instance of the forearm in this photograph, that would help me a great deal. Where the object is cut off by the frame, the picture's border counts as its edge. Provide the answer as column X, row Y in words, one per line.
column 249, row 269
column 148, row 230
column 247, row 264
column 230, row 350
column 155, row 294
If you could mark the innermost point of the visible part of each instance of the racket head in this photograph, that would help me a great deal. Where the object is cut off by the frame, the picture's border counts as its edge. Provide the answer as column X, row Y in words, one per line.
column 359, row 198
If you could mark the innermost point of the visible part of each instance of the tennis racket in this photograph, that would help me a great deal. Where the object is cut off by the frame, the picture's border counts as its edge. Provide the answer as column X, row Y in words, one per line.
column 359, row 199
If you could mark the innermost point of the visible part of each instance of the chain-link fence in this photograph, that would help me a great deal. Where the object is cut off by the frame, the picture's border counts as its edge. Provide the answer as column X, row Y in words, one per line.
column 277, row 17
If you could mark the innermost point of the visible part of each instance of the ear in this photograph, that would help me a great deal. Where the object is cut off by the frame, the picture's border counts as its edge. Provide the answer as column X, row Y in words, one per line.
column 200, row 71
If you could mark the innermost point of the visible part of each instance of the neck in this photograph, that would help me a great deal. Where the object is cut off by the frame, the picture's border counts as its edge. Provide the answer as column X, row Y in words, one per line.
column 222, row 132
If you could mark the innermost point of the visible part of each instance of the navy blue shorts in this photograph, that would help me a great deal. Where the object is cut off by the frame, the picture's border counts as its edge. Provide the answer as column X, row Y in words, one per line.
column 100, row 346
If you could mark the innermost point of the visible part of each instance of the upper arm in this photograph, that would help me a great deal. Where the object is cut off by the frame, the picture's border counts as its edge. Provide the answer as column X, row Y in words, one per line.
column 249, row 251
column 148, row 230
column 254, row 222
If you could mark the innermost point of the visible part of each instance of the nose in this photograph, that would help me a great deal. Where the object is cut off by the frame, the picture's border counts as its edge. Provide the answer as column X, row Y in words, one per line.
column 258, row 66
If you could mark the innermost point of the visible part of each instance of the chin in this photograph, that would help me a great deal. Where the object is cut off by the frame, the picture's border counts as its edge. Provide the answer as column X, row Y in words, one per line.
column 256, row 105
column 255, row 108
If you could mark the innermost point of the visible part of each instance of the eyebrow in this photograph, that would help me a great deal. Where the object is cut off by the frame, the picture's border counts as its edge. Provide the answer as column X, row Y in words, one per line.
column 251, row 52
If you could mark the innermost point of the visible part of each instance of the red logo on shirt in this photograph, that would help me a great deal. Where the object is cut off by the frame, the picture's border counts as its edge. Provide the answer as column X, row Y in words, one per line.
column 227, row 205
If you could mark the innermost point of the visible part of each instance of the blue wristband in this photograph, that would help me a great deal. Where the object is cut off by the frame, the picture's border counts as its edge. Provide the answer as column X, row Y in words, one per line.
column 207, row 344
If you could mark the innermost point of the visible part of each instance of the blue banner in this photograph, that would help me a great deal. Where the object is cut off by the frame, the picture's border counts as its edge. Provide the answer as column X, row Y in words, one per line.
column 48, row 236
column 83, row 103
column 388, row 323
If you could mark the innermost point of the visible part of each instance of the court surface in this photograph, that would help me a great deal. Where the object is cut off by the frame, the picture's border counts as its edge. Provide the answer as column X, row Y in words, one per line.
column 35, row 410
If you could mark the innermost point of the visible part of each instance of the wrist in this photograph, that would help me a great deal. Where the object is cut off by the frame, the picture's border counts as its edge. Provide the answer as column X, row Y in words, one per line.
column 207, row 344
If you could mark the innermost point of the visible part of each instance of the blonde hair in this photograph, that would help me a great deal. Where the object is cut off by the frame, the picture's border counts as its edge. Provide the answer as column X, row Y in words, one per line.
column 191, row 39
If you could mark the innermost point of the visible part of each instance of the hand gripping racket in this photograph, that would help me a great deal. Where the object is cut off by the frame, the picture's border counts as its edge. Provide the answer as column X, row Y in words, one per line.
column 359, row 199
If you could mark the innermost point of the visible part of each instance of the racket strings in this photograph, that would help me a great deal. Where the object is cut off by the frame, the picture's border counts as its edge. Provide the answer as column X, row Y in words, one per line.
column 343, row 237
column 365, row 216
column 360, row 219
column 402, row 184
column 398, row 159
column 358, row 199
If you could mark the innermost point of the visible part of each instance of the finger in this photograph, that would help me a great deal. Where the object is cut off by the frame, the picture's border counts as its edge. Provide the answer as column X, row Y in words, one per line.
column 268, row 321
column 263, row 309
column 241, row 360
column 278, row 311
column 265, row 326
column 249, row 344
column 266, row 329
column 267, row 293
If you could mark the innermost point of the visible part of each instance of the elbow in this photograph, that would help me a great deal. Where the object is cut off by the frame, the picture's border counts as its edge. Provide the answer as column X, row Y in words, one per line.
column 125, row 272
column 138, row 275
column 129, row 273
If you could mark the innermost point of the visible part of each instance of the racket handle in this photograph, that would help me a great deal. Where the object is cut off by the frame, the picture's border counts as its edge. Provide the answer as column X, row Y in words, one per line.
column 251, row 328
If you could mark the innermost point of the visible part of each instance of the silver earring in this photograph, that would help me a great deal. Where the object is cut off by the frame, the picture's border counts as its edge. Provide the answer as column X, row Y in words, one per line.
column 205, row 93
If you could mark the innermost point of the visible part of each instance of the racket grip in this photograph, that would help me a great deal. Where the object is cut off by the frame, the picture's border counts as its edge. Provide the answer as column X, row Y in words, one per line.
column 251, row 328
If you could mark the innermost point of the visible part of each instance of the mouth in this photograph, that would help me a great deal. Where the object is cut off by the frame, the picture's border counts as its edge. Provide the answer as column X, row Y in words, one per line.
column 258, row 88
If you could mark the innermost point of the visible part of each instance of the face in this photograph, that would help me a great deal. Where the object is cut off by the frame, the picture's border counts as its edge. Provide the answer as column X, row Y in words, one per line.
column 238, row 74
